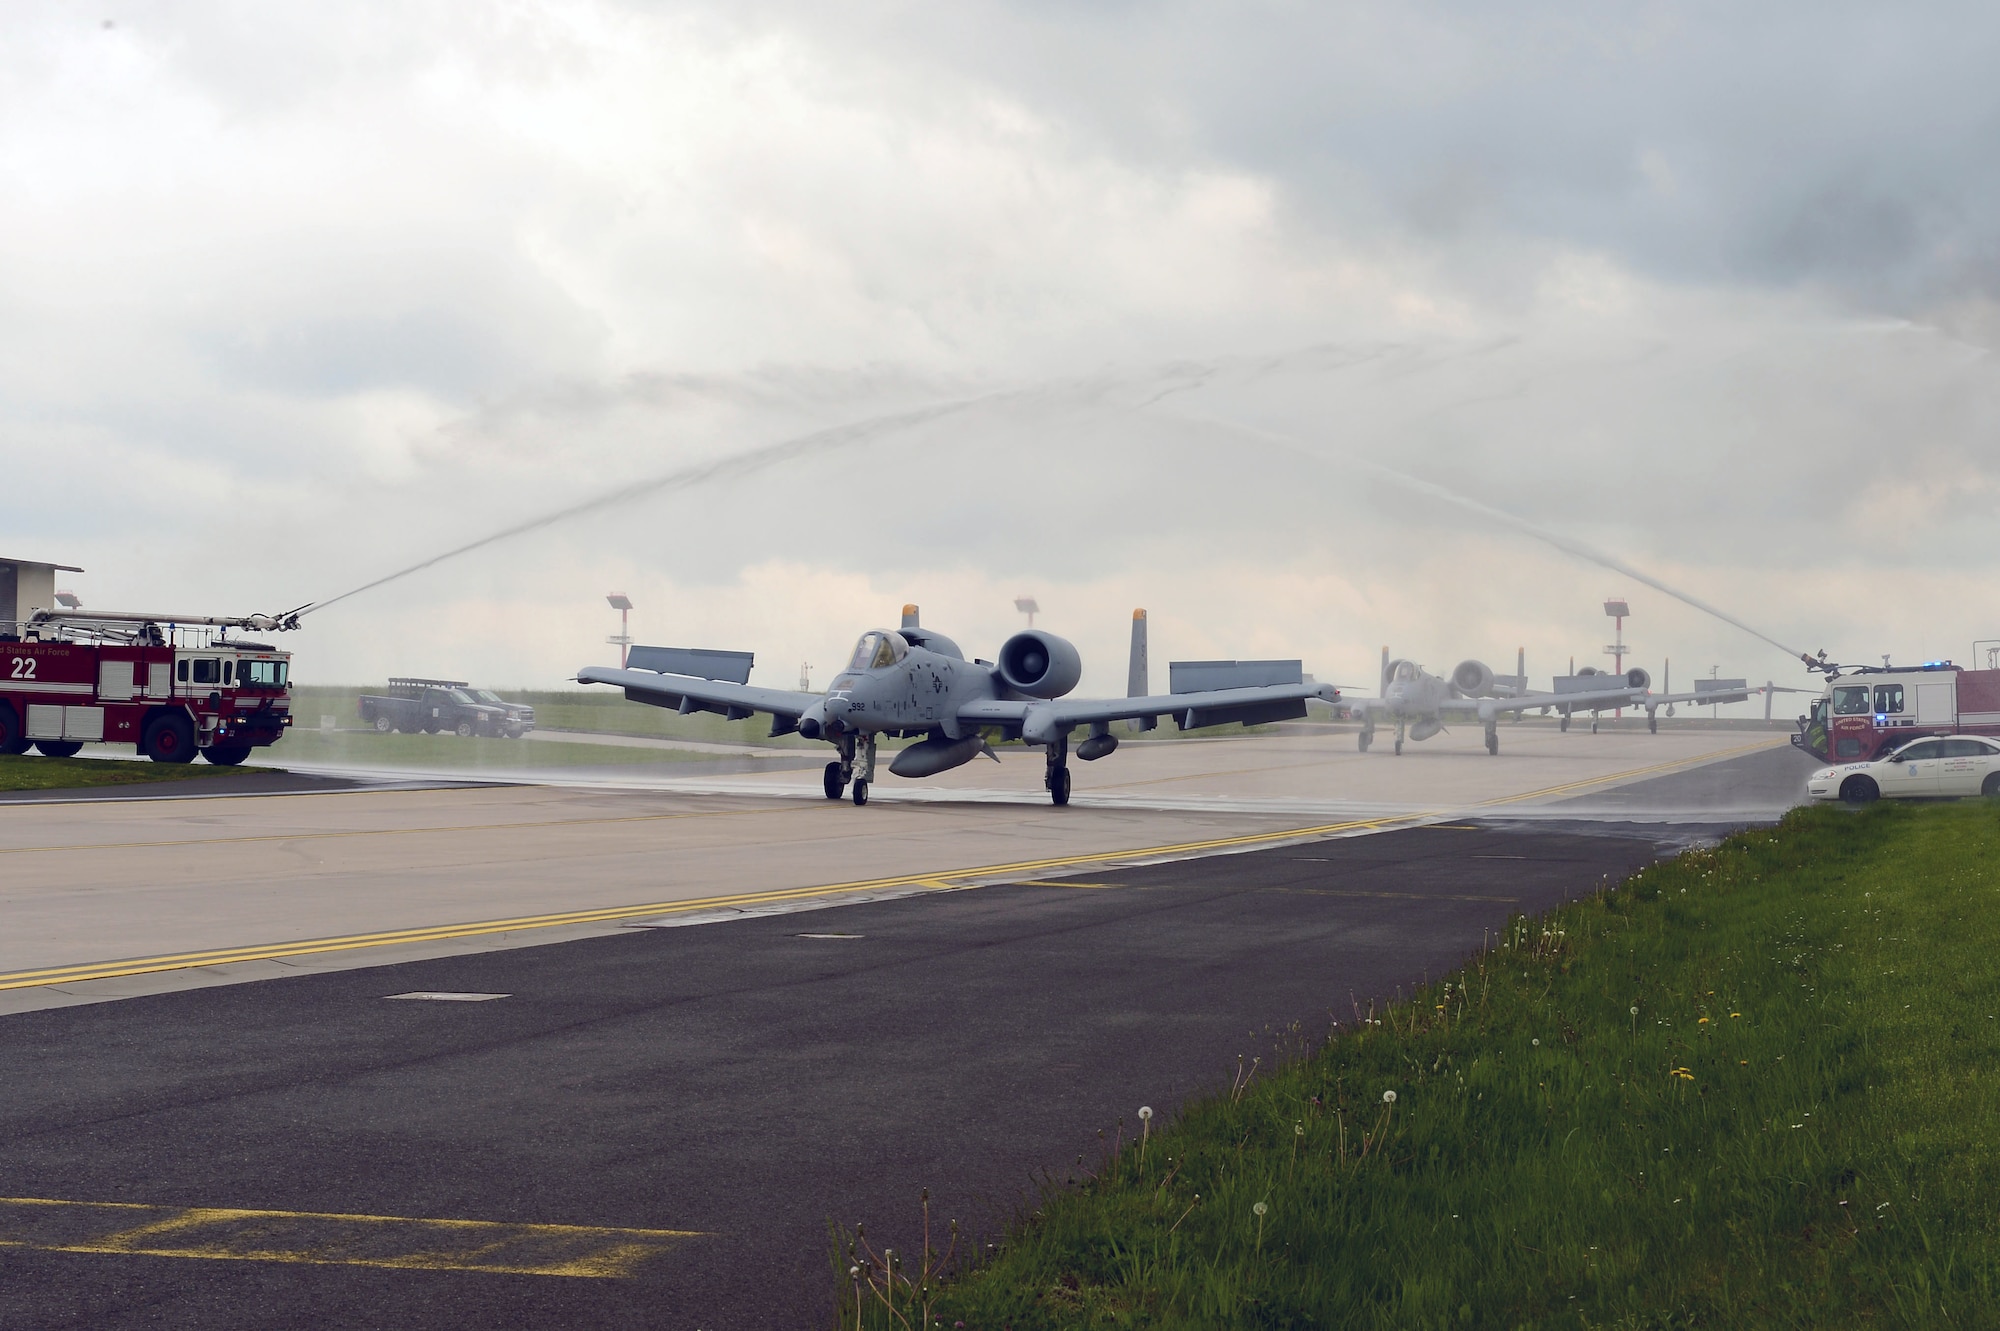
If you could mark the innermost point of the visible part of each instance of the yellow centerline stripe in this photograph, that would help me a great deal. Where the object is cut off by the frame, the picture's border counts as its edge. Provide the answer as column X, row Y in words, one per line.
column 930, row 880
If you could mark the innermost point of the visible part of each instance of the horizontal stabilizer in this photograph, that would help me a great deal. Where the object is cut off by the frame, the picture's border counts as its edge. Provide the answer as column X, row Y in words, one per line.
column 1202, row 676
column 695, row 662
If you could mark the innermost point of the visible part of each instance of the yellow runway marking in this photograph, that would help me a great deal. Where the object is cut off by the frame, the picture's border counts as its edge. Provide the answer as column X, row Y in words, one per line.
column 330, row 1239
column 928, row 881
column 398, row 831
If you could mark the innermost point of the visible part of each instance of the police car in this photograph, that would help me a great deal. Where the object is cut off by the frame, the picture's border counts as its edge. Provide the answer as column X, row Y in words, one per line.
column 1939, row 767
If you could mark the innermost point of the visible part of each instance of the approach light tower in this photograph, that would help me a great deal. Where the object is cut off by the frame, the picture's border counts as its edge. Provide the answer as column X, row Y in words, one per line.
column 622, row 603
column 1617, row 610
column 1026, row 605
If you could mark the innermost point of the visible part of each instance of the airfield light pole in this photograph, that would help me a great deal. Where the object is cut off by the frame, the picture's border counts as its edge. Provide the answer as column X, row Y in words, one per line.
column 1617, row 610
column 1026, row 605
column 622, row 603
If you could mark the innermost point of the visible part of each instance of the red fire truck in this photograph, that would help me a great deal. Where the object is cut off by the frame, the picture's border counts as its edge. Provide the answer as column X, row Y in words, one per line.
column 173, row 685
column 1868, row 709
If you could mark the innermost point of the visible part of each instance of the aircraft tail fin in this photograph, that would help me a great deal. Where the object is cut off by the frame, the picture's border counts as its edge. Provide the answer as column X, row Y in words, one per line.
column 910, row 617
column 1138, row 677
column 1382, row 684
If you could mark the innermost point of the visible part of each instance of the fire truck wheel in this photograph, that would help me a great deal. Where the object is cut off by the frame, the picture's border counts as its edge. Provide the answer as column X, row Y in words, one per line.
column 230, row 756
column 383, row 725
column 1859, row 790
column 56, row 748
column 10, row 731
column 169, row 739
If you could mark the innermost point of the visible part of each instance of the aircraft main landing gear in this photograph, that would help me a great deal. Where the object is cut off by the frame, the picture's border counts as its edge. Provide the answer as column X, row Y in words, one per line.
column 1057, row 779
column 1565, row 721
column 1367, row 735
column 1492, row 737
column 1399, row 739
column 834, row 782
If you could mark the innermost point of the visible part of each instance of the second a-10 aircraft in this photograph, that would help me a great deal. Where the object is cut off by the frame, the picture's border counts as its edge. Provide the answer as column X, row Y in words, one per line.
column 912, row 681
column 1418, row 703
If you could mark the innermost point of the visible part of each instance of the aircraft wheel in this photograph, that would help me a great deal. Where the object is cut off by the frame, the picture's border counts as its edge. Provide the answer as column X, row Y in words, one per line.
column 170, row 739
column 1859, row 790
column 1493, row 744
column 383, row 725
column 56, row 748
column 833, row 782
column 1059, row 786
column 226, row 756
column 860, row 793
column 1399, row 748
column 1593, row 726
column 1365, row 737
column 1565, row 723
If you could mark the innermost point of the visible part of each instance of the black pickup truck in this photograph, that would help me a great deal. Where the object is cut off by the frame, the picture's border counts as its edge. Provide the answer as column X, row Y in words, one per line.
column 433, row 705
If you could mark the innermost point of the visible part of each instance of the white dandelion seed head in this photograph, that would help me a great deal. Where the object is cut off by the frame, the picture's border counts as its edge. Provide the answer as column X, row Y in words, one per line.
column 1388, row 1097
column 1635, row 1011
column 1536, row 1043
column 1260, row 1208
column 1145, row 1111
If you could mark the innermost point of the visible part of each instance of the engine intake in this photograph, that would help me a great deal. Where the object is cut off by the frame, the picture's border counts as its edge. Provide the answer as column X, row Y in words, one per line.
column 1039, row 664
column 1635, row 678
column 1473, row 679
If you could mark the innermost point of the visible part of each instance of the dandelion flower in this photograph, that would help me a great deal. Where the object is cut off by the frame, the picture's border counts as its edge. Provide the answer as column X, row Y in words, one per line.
column 1635, row 1011
column 1536, row 1043
column 1388, row 1097
column 1145, row 1112
column 1260, row 1208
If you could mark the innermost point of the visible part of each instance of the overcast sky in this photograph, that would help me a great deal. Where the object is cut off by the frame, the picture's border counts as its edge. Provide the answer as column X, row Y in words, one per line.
column 294, row 296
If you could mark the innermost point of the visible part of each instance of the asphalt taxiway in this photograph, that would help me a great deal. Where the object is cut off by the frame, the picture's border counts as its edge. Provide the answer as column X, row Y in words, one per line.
column 651, row 1126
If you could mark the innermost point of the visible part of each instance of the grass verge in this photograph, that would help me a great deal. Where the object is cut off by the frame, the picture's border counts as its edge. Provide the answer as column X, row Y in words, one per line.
column 1752, row 1087
column 33, row 772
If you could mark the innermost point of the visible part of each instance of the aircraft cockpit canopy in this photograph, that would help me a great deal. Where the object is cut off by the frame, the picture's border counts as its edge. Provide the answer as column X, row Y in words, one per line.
column 878, row 648
column 1406, row 672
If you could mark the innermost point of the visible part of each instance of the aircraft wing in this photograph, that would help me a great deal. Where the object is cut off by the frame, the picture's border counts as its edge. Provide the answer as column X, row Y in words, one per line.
column 1040, row 722
column 687, row 693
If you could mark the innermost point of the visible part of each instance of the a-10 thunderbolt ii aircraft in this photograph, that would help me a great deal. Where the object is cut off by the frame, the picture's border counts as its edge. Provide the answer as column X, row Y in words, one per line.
column 1419, row 703
column 911, row 681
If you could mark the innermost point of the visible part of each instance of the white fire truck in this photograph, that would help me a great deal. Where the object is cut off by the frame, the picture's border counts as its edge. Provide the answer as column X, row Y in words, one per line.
column 1869, row 709
column 174, row 685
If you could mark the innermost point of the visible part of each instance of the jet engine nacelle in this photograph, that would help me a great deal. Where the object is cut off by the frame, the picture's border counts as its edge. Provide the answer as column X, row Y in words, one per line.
column 1635, row 678
column 1425, row 728
column 1473, row 679
column 1039, row 664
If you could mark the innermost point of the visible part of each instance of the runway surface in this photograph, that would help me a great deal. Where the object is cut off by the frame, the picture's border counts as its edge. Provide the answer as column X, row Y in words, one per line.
column 741, row 1082
column 652, row 1126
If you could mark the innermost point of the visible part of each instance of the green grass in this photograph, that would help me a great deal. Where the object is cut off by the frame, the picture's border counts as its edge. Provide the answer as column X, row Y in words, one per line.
column 1798, row 1127
column 33, row 772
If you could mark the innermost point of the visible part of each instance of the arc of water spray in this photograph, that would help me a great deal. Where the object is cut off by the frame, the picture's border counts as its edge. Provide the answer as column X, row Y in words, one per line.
column 684, row 478
column 1567, row 544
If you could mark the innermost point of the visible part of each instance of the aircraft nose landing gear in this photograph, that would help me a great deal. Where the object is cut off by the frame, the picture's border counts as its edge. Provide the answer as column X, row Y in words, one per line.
column 864, row 770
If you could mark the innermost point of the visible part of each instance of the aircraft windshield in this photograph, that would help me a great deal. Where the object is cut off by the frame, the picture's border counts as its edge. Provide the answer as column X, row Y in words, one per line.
column 1405, row 672
column 878, row 649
